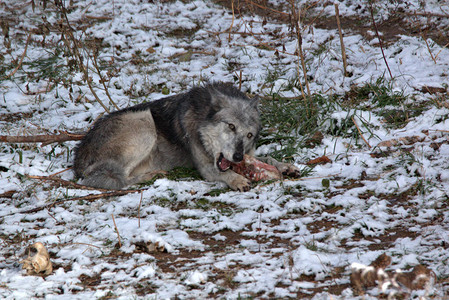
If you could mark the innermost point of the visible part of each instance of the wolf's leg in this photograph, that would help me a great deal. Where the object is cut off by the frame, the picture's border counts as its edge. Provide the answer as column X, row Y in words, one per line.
column 233, row 180
column 285, row 168
column 119, row 151
column 145, row 177
column 105, row 175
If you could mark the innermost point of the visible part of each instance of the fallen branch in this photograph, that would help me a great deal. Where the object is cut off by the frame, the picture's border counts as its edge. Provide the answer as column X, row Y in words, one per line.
column 63, row 182
column 424, row 14
column 44, row 139
column 90, row 197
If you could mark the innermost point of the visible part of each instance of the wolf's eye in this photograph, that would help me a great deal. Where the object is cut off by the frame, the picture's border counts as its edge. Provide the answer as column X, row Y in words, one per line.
column 232, row 127
column 249, row 135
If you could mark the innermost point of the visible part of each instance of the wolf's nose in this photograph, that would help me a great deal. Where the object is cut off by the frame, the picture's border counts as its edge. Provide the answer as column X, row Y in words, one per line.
column 237, row 157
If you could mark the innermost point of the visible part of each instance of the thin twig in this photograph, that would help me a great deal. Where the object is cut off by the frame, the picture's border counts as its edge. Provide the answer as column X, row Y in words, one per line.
column 57, row 173
column 103, row 82
column 425, row 14
column 232, row 22
column 442, row 48
column 77, row 54
column 301, row 52
column 140, row 205
column 86, row 244
column 116, row 230
column 22, row 57
column 296, row 179
column 428, row 49
column 90, row 197
column 342, row 45
column 240, row 77
column 62, row 182
column 360, row 132
column 378, row 37
column 297, row 22
column 267, row 8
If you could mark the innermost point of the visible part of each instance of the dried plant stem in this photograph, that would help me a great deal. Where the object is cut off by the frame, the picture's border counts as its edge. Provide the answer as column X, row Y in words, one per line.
column 301, row 59
column 342, row 45
column 61, row 182
column 103, row 82
column 140, row 205
column 436, row 56
column 425, row 14
column 428, row 49
column 21, row 58
column 301, row 52
column 232, row 22
column 378, row 37
column 360, row 132
column 240, row 76
column 304, row 70
column 116, row 230
column 266, row 8
column 76, row 52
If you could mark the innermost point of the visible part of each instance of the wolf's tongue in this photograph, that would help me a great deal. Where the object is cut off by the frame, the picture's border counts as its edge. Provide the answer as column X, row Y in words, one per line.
column 224, row 164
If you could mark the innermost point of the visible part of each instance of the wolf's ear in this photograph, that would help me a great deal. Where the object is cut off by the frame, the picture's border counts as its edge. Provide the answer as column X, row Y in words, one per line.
column 255, row 101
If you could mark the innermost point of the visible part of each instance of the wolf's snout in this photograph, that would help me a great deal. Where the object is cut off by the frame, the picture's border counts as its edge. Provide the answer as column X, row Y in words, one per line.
column 238, row 154
column 237, row 157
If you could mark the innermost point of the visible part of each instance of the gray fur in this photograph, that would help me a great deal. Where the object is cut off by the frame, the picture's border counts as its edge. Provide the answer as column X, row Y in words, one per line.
column 196, row 129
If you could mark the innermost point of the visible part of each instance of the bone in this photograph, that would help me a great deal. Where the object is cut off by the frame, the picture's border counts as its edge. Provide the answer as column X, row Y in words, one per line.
column 38, row 264
column 255, row 170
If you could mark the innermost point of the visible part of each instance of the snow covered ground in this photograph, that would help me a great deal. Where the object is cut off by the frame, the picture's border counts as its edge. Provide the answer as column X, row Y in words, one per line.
column 290, row 239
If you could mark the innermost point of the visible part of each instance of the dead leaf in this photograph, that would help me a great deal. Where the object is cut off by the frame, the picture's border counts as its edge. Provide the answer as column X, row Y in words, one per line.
column 322, row 160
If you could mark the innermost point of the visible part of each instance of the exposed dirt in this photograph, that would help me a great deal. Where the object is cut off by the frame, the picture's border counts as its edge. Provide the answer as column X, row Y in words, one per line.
column 401, row 23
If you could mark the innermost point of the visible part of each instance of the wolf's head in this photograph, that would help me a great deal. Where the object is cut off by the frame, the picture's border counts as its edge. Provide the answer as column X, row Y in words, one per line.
column 231, row 127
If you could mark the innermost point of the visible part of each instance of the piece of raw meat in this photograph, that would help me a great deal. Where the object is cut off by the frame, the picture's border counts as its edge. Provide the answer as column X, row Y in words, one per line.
column 255, row 170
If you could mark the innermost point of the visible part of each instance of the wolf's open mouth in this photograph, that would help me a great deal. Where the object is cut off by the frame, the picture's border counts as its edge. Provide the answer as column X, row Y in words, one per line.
column 222, row 163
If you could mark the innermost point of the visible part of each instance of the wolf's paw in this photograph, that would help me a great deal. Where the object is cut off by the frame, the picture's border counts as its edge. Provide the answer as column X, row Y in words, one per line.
column 240, row 184
column 289, row 170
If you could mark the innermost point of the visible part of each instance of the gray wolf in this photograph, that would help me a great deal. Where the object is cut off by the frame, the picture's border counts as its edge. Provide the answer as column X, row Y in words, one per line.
column 207, row 128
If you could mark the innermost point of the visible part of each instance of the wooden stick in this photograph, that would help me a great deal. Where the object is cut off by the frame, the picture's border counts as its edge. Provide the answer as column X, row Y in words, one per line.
column 116, row 230
column 63, row 182
column 90, row 197
column 45, row 138
column 429, row 15
column 342, row 45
